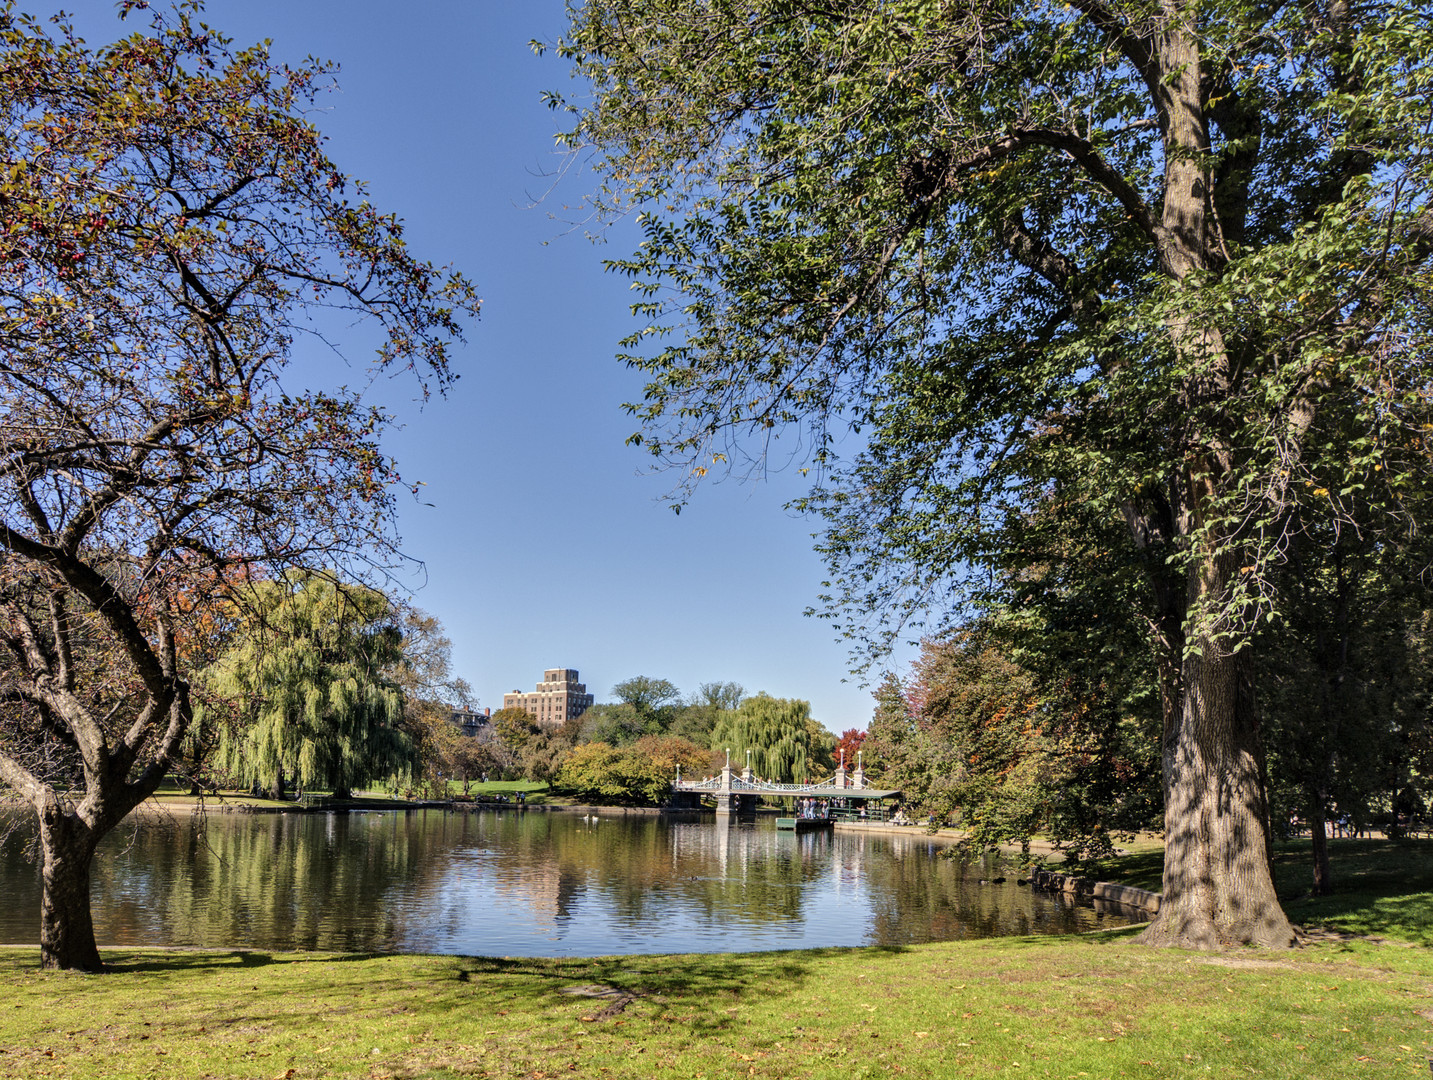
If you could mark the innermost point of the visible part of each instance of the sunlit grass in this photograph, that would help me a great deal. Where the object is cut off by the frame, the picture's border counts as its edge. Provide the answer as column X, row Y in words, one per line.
column 1098, row 1007
column 1381, row 887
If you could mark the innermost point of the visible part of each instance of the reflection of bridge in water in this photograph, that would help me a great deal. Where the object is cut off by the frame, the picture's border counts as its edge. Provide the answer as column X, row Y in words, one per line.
column 737, row 792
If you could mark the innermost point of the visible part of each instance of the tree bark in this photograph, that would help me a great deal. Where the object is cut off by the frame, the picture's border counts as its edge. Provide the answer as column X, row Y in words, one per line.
column 1218, row 890
column 67, row 934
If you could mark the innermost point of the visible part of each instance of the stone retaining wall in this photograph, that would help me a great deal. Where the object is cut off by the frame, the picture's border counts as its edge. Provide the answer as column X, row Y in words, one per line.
column 1089, row 888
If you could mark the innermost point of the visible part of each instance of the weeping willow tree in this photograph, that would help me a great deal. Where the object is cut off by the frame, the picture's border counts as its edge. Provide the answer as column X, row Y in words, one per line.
column 786, row 744
column 309, row 688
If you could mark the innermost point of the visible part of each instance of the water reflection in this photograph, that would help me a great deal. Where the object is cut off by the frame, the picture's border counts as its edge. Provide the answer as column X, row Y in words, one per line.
column 528, row 884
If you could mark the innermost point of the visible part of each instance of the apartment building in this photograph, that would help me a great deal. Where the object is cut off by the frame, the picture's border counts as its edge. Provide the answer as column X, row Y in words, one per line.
column 557, row 699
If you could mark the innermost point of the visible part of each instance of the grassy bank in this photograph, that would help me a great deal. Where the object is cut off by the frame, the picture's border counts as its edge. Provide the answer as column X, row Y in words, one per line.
column 1382, row 887
column 1091, row 1007
column 176, row 796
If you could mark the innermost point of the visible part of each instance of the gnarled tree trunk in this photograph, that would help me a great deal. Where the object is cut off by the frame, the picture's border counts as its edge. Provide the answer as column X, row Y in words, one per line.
column 67, row 934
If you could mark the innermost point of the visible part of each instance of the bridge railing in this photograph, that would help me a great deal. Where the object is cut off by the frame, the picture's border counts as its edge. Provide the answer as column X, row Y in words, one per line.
column 767, row 786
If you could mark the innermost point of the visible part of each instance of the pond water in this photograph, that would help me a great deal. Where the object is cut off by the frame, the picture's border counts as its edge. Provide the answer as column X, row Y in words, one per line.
column 508, row 883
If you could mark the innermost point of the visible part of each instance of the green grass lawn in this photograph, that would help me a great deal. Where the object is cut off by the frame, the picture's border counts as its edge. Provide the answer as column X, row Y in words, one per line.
column 1097, row 1007
column 536, row 792
column 1381, row 887
column 175, row 794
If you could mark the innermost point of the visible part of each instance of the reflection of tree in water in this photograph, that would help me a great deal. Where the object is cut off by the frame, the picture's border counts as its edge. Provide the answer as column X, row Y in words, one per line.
column 288, row 881
column 922, row 896
column 434, row 880
column 647, row 867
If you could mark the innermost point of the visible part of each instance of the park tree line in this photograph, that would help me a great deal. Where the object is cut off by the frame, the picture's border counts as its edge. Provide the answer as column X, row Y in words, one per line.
column 629, row 750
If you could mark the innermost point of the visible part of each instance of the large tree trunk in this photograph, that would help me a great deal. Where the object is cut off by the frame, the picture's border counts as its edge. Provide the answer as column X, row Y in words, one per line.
column 67, row 933
column 1218, row 890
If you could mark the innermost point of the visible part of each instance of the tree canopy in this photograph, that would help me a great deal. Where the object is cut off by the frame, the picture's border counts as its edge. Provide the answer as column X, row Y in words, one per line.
column 1152, row 274
column 312, row 676
column 640, row 773
column 786, row 744
column 170, row 226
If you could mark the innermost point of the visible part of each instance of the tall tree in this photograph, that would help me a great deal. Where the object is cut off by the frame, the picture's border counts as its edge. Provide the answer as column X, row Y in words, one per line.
column 719, row 695
column 312, row 677
column 431, row 692
column 1122, row 253
column 646, row 694
column 638, row 774
column 168, row 223
column 786, row 744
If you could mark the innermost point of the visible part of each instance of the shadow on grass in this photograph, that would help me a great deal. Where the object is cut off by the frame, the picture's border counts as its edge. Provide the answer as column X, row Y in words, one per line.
column 1143, row 870
column 185, row 960
column 704, row 982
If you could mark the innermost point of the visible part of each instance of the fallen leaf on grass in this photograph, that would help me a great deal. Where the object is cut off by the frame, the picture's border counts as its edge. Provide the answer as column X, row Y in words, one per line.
column 922, row 1034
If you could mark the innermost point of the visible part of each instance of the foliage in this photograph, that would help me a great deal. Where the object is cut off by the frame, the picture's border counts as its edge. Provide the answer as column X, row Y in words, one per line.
column 431, row 692
column 973, row 738
column 721, row 696
column 461, row 757
column 619, row 724
column 1151, row 263
column 786, row 744
column 639, row 774
column 649, row 706
column 646, row 694
column 310, row 674
column 848, row 744
column 514, row 727
column 1343, row 680
column 170, row 225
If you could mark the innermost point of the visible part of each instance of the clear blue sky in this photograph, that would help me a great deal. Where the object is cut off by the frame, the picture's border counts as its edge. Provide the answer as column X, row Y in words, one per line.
column 546, row 543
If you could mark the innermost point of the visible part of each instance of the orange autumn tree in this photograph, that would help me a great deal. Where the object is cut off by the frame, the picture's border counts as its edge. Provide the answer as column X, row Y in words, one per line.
column 977, row 738
column 169, row 226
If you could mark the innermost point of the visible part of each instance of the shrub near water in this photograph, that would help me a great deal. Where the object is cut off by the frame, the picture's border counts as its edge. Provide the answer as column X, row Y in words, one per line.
column 1092, row 1007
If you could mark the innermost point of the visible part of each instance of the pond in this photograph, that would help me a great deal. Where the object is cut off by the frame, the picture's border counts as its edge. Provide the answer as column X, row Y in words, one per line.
column 510, row 883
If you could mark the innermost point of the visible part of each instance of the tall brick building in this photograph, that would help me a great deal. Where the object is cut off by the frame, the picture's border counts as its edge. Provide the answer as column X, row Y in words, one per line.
column 557, row 699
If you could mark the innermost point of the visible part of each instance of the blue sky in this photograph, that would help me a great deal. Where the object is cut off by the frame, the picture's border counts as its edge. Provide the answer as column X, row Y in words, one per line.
column 546, row 543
